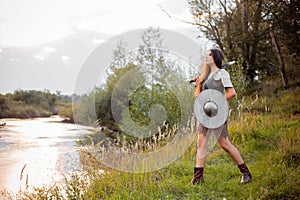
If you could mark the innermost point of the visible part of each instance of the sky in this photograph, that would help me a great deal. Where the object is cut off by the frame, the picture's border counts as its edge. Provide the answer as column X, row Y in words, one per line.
column 43, row 43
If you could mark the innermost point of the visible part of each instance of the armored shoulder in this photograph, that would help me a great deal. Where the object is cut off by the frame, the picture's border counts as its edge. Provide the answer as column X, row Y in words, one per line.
column 225, row 77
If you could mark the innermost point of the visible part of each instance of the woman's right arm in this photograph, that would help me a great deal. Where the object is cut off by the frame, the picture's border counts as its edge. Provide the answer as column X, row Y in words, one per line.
column 199, row 81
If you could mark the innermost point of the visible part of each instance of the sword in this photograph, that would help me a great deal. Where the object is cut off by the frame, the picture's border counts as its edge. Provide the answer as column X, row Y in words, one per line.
column 228, row 64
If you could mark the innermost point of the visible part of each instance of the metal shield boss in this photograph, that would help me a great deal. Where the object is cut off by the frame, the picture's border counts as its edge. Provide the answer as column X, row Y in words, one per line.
column 211, row 108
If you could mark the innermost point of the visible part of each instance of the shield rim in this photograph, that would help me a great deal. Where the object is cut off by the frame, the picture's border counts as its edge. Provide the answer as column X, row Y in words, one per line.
column 223, row 109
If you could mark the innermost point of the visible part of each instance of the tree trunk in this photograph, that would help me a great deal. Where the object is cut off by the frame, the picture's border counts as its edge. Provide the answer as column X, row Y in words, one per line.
column 280, row 59
column 246, row 44
column 256, row 37
column 227, row 17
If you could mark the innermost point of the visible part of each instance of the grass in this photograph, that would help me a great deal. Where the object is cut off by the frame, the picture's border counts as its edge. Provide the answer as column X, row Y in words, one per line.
column 273, row 178
column 266, row 132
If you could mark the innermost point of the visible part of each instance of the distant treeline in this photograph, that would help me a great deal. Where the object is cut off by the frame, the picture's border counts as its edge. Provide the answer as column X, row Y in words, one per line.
column 32, row 103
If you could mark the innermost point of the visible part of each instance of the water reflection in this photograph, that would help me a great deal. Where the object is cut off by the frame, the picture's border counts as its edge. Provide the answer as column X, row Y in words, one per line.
column 44, row 148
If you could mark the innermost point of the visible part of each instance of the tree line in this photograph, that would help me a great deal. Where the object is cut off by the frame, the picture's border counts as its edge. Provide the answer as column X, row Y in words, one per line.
column 32, row 103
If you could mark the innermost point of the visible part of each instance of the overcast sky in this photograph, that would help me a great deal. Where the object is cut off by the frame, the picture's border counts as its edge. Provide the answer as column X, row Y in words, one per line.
column 43, row 43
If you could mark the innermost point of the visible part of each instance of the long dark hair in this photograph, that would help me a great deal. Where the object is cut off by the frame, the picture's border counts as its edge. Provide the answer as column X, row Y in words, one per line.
column 218, row 57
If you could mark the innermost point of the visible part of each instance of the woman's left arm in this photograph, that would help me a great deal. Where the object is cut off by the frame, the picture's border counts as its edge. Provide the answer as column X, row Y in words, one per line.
column 230, row 93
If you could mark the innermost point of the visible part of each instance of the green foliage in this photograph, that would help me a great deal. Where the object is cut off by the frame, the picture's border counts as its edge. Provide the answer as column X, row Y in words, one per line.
column 102, row 96
column 27, row 104
column 36, row 98
column 240, row 83
column 84, row 110
column 241, row 30
column 144, row 98
column 67, row 112
column 238, row 78
column 3, row 104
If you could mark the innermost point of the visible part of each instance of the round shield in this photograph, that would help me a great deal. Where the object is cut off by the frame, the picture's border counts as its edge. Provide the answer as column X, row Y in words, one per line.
column 211, row 108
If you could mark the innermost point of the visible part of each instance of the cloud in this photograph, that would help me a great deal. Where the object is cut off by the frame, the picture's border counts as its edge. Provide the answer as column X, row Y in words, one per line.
column 174, row 7
column 98, row 41
column 14, row 59
column 42, row 55
column 38, row 22
column 65, row 58
column 100, row 13
column 53, row 65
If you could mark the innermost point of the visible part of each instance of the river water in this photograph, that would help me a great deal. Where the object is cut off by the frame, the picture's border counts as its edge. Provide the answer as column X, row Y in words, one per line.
column 38, row 152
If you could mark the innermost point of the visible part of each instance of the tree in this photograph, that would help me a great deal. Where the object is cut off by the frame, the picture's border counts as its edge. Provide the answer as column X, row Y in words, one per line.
column 144, row 98
column 139, row 80
column 3, row 104
column 241, row 29
column 285, row 35
column 280, row 59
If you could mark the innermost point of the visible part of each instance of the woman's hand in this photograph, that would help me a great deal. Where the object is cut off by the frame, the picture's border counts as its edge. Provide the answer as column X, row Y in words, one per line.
column 193, row 80
column 198, row 86
column 197, row 81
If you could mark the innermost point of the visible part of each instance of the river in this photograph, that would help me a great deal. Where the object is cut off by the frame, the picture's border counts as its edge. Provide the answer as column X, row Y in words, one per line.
column 38, row 152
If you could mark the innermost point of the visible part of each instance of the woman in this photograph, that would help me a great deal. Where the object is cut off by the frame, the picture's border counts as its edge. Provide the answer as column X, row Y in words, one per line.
column 213, row 67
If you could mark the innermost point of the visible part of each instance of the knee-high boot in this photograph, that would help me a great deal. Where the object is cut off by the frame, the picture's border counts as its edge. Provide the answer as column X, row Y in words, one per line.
column 246, row 177
column 198, row 175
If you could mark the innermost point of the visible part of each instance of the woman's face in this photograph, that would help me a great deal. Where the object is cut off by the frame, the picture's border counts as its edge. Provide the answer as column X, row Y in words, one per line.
column 208, row 59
